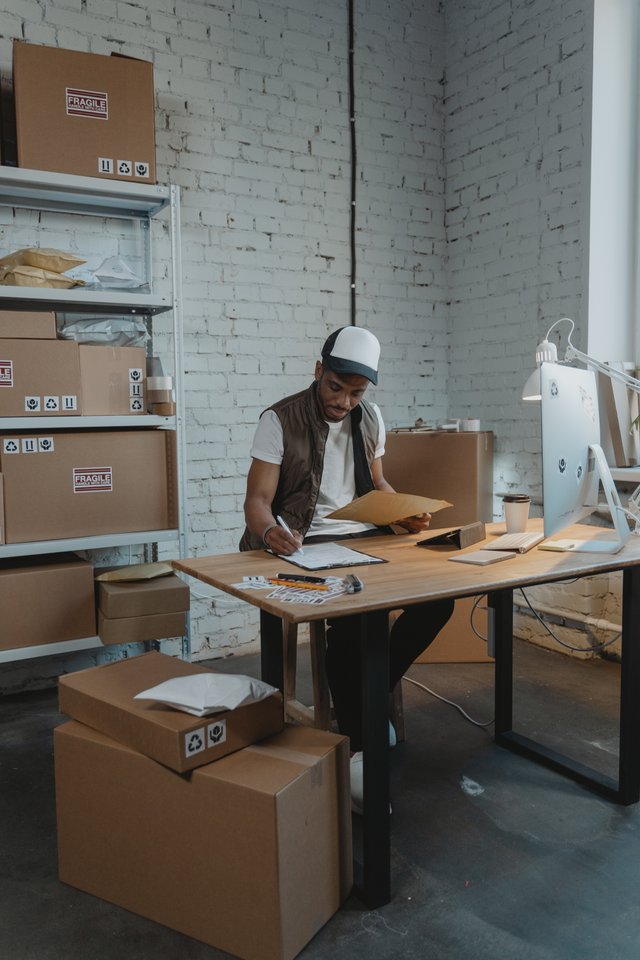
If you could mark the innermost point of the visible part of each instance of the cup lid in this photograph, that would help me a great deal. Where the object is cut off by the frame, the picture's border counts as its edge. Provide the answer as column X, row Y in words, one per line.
column 516, row 498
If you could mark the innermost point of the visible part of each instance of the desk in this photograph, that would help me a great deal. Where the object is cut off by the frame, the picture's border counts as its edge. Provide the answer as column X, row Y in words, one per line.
column 415, row 575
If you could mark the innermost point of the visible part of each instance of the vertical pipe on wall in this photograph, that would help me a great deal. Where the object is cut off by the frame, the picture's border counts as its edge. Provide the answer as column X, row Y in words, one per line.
column 352, row 128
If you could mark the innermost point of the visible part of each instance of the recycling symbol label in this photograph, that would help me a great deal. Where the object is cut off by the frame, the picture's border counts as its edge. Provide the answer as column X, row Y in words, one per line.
column 135, row 404
column 125, row 168
column 52, row 403
column 216, row 733
column 10, row 446
column 194, row 742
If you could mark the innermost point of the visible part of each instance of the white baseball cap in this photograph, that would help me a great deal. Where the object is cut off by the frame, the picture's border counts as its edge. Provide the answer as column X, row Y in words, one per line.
column 352, row 350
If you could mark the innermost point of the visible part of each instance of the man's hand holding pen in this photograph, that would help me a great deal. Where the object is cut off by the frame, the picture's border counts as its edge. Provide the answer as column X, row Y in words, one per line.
column 281, row 539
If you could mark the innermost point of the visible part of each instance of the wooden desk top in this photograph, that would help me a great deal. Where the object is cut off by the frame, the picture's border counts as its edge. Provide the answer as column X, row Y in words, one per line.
column 412, row 574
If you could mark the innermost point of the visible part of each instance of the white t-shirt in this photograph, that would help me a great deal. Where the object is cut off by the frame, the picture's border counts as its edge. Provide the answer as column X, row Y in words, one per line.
column 337, row 486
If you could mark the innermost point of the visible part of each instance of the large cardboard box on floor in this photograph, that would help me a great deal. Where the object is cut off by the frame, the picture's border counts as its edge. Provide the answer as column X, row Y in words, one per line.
column 39, row 378
column 457, row 467
column 457, row 642
column 85, row 483
column 27, row 325
column 84, row 113
column 103, row 698
column 46, row 599
column 250, row 854
column 112, row 380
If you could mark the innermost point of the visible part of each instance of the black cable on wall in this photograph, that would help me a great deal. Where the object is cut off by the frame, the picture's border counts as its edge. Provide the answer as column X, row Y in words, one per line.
column 352, row 128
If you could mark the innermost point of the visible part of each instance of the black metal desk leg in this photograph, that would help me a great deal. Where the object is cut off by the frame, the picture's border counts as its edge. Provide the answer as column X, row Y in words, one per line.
column 501, row 621
column 629, row 759
column 376, row 834
column 271, row 650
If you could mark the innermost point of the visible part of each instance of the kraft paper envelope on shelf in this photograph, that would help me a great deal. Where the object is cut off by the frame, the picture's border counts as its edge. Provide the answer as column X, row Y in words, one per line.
column 381, row 508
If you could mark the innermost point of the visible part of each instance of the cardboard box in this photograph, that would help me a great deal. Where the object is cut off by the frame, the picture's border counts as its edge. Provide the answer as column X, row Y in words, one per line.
column 140, row 598
column 456, row 642
column 84, row 113
column 251, row 854
column 39, row 378
column 152, row 626
column 86, row 483
column 103, row 698
column 457, row 467
column 27, row 325
column 112, row 380
column 45, row 599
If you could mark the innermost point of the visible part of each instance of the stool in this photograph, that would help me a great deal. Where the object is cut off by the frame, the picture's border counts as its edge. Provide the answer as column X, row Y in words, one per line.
column 320, row 714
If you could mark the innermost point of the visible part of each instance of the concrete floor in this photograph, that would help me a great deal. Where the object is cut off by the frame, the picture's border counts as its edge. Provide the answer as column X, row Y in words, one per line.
column 493, row 857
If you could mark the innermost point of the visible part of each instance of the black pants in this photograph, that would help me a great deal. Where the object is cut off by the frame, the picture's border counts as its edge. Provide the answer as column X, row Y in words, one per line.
column 412, row 633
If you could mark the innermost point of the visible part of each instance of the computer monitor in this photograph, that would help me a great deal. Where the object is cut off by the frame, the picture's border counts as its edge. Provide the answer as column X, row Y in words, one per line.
column 573, row 464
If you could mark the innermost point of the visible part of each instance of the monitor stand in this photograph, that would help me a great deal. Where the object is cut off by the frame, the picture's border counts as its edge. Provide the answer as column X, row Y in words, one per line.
column 618, row 516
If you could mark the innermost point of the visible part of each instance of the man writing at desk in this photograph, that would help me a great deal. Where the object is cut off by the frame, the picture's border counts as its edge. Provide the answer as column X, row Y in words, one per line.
column 312, row 453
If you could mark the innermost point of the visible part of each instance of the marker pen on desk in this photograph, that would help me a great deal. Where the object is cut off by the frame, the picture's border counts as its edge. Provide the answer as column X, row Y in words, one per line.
column 286, row 529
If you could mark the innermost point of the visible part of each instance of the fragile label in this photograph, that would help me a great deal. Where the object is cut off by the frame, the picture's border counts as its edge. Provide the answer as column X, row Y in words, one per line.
column 6, row 373
column 92, row 479
column 87, row 103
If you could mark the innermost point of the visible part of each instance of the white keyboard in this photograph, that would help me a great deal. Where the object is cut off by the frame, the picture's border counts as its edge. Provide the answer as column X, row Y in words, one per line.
column 520, row 542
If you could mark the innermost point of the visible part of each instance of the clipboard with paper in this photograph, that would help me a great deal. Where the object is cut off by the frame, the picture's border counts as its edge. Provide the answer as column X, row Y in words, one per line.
column 383, row 508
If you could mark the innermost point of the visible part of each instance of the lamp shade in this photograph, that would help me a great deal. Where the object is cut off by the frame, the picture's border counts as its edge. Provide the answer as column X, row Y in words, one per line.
column 532, row 389
column 546, row 352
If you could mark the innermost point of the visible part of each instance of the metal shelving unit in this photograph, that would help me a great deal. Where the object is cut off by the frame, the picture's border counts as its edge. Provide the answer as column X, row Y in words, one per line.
column 110, row 199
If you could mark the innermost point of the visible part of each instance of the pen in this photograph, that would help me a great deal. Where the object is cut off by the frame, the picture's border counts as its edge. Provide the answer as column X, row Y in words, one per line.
column 301, row 585
column 286, row 529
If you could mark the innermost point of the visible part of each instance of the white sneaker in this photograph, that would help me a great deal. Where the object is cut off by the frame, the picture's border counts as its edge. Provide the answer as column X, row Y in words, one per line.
column 392, row 735
column 357, row 784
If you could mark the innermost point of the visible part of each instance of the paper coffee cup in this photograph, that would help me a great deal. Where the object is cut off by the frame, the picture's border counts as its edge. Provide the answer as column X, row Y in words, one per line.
column 516, row 511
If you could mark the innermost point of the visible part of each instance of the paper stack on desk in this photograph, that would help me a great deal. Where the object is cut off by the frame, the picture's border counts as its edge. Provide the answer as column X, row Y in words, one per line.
column 380, row 507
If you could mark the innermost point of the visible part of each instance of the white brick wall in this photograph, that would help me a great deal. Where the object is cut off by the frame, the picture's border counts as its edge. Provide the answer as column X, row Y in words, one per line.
column 471, row 186
column 518, row 79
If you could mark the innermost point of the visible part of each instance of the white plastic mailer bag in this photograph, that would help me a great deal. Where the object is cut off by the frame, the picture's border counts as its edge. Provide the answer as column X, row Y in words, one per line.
column 204, row 693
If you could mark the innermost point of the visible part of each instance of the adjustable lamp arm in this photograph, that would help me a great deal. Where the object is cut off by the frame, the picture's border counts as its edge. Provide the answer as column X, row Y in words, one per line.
column 572, row 353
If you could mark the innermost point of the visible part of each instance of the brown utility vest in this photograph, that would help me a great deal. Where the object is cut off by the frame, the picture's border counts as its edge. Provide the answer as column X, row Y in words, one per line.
column 305, row 435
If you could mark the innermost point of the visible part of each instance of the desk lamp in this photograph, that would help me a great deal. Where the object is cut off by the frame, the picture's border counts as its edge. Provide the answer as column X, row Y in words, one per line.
column 547, row 351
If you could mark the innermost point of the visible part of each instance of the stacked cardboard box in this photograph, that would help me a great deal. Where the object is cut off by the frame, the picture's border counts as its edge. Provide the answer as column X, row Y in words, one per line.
column 84, row 113
column 250, row 853
column 142, row 610
column 27, row 325
column 49, row 377
column 45, row 599
column 96, row 482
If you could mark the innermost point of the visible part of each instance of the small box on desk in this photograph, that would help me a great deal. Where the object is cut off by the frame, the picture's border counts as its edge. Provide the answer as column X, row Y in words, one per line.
column 457, row 467
column 251, row 854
